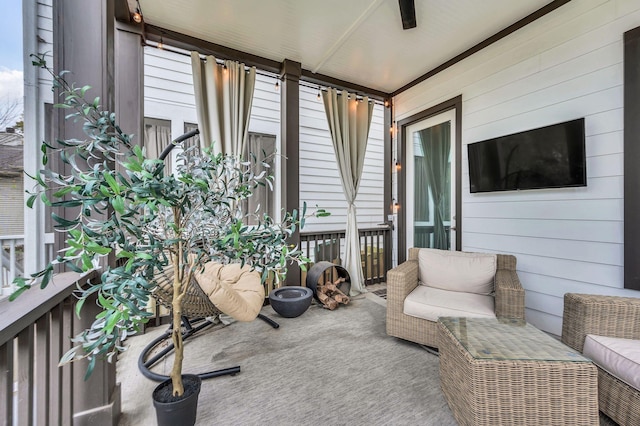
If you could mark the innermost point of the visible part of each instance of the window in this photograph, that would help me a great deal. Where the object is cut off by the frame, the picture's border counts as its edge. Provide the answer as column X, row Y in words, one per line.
column 157, row 136
column 263, row 147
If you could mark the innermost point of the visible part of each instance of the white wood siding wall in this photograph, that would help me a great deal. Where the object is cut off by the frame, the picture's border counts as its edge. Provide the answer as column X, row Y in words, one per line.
column 45, row 45
column 319, row 176
column 566, row 65
column 168, row 95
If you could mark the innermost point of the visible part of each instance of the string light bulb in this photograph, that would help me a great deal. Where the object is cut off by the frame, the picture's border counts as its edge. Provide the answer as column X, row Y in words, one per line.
column 319, row 95
column 386, row 103
column 396, row 206
column 137, row 15
column 161, row 44
column 277, row 86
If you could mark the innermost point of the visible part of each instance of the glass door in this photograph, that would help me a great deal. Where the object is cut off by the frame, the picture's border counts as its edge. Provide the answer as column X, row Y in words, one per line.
column 430, row 190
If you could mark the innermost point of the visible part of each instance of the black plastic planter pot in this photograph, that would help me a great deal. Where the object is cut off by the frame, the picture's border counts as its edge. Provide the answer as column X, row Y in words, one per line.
column 174, row 411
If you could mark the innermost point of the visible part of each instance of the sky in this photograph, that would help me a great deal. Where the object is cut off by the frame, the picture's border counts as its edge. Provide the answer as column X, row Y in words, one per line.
column 11, row 86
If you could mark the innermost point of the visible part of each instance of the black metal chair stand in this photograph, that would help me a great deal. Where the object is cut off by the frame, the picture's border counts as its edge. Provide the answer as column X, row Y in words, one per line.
column 191, row 327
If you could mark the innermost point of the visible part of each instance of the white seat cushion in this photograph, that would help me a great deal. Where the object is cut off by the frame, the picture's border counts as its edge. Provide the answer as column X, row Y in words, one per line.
column 457, row 271
column 431, row 303
column 619, row 357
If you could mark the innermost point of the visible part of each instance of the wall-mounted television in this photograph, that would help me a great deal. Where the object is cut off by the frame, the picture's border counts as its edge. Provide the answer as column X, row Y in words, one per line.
column 547, row 157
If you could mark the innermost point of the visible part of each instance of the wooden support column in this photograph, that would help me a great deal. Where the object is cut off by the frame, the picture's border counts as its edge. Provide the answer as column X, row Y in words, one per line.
column 84, row 43
column 290, row 137
column 389, row 167
column 631, row 158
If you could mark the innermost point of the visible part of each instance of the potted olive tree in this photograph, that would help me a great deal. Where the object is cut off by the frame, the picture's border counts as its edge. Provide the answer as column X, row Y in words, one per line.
column 126, row 205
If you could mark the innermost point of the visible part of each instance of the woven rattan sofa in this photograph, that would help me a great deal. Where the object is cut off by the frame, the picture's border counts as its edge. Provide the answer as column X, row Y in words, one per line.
column 507, row 292
column 610, row 316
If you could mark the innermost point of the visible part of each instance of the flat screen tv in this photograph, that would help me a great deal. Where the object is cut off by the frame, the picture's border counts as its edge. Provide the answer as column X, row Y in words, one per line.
column 548, row 157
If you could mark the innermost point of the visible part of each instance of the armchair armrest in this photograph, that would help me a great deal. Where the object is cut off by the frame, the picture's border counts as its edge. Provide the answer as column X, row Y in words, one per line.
column 509, row 294
column 401, row 281
column 611, row 316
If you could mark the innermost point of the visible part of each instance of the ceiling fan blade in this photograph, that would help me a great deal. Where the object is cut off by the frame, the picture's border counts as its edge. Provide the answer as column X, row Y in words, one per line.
column 408, row 13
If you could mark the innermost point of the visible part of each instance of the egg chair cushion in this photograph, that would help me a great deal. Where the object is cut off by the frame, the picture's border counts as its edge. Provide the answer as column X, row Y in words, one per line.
column 236, row 291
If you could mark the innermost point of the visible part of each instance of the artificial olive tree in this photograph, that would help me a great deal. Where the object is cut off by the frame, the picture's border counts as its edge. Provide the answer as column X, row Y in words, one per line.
column 125, row 204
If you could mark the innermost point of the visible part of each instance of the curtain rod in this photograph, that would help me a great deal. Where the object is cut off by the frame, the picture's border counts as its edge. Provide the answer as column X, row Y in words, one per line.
column 264, row 73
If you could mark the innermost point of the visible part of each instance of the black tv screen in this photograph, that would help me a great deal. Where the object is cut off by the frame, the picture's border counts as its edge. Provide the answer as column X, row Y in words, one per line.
column 548, row 157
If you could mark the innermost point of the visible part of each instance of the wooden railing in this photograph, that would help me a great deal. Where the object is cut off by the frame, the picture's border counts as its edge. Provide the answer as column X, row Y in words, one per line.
column 34, row 334
column 375, row 250
column 11, row 254
column 12, row 260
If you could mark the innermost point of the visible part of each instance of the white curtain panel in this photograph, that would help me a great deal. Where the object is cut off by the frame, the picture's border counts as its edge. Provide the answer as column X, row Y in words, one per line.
column 224, row 95
column 349, row 122
column 157, row 136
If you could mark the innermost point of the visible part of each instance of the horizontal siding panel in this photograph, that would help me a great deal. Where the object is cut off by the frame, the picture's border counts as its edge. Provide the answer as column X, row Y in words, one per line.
column 607, row 187
column 544, row 321
column 552, row 210
column 581, row 251
column 555, row 286
column 515, row 121
column 551, row 77
column 577, row 230
column 589, row 88
column 604, row 144
column 599, row 274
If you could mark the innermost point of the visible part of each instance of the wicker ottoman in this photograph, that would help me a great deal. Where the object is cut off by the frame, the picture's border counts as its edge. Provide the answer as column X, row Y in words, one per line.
column 507, row 372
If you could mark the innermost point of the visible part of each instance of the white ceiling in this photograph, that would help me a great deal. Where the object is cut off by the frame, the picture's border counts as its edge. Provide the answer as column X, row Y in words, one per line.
column 360, row 41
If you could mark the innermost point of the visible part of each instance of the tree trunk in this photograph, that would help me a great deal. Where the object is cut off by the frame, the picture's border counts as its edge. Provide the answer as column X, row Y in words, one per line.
column 176, row 335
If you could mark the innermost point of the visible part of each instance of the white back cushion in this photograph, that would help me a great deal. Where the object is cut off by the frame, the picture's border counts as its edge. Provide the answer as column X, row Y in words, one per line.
column 457, row 271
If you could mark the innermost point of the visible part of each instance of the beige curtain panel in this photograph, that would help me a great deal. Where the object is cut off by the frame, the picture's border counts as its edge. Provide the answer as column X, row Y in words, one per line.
column 224, row 95
column 349, row 122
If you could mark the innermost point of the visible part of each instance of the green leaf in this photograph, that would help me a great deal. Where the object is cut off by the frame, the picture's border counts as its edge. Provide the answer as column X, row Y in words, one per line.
column 18, row 292
column 90, row 368
column 68, row 356
column 79, row 307
column 32, row 199
column 118, row 204
column 64, row 222
column 112, row 182
column 96, row 248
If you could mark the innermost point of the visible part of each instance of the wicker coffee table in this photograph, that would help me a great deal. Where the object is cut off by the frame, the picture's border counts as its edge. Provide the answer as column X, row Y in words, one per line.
column 507, row 372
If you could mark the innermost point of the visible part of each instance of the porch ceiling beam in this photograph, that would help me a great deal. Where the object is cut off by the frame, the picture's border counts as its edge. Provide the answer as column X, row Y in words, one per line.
column 122, row 12
column 186, row 42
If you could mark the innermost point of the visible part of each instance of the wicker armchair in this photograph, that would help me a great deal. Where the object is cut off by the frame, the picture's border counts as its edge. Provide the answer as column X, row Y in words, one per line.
column 509, row 299
column 610, row 316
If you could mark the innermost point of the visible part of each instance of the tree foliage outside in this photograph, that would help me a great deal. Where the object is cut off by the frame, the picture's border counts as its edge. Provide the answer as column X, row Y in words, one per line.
column 148, row 219
column 11, row 113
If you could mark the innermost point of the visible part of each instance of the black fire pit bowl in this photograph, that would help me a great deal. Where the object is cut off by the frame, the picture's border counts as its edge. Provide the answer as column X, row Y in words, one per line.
column 290, row 301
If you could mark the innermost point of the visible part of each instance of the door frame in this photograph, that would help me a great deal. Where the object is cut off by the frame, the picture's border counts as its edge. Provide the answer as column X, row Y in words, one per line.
column 401, row 152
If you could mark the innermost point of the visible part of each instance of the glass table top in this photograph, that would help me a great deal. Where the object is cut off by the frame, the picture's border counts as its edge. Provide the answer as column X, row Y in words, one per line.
column 508, row 339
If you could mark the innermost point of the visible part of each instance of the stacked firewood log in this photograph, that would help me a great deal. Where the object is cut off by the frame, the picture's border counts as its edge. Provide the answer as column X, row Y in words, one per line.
column 330, row 295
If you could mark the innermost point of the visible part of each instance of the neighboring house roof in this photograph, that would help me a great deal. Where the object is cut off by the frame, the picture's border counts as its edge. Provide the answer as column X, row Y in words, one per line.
column 11, row 138
column 10, row 160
